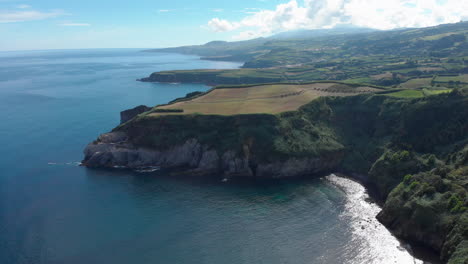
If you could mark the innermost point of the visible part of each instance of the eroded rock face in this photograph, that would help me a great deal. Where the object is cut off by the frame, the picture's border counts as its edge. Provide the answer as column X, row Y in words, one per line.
column 127, row 115
column 296, row 167
column 110, row 151
column 409, row 229
column 113, row 150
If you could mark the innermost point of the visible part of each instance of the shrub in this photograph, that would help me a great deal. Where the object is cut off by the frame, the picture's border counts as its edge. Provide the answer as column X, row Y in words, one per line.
column 158, row 110
column 407, row 179
column 414, row 185
column 456, row 204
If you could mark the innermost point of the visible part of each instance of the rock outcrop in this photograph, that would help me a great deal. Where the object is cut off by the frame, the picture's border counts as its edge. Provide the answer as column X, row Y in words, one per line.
column 112, row 150
column 127, row 115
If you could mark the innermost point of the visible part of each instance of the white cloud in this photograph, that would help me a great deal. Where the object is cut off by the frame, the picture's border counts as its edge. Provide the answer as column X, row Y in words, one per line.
column 221, row 25
column 312, row 14
column 163, row 10
column 23, row 6
column 218, row 10
column 21, row 16
column 75, row 24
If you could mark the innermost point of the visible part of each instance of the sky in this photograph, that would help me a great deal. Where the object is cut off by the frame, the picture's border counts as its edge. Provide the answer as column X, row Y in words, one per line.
column 62, row 24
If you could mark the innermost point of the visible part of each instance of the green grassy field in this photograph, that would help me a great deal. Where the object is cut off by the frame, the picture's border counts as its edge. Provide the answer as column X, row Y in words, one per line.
column 428, row 92
column 417, row 93
column 274, row 98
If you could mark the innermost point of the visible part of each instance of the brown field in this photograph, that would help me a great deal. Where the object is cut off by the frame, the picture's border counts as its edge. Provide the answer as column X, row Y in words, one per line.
column 387, row 75
column 261, row 99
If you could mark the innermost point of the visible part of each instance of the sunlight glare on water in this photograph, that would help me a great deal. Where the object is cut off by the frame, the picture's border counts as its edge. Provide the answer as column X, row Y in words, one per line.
column 380, row 246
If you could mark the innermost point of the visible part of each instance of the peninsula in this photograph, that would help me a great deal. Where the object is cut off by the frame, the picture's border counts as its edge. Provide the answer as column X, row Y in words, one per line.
column 397, row 122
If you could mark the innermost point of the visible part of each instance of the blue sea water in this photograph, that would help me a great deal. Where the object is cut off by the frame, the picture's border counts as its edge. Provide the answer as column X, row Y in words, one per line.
column 52, row 103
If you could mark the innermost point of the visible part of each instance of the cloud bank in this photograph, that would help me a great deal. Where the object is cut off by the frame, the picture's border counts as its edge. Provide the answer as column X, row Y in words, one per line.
column 29, row 15
column 314, row 14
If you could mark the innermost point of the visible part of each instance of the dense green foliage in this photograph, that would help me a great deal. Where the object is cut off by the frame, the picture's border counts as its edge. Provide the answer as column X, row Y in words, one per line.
column 431, row 206
column 218, row 132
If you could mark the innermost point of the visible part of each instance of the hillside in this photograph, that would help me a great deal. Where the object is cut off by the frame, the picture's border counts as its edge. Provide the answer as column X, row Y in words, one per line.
column 433, row 56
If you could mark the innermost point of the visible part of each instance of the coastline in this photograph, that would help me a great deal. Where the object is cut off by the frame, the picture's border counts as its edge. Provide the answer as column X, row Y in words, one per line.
column 419, row 251
column 205, row 164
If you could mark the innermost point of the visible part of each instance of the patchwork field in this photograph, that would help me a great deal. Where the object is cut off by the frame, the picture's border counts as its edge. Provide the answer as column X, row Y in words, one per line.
column 460, row 78
column 273, row 98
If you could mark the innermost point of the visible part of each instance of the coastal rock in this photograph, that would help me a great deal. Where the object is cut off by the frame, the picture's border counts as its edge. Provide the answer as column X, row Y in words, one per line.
column 111, row 150
column 409, row 229
column 297, row 167
column 129, row 114
column 114, row 137
column 235, row 166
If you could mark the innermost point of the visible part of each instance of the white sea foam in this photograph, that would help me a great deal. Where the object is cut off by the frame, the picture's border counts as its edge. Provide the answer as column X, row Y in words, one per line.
column 74, row 163
column 147, row 169
column 380, row 246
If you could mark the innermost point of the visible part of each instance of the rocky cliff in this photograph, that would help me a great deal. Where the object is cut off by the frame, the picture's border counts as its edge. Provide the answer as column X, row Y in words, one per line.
column 127, row 115
column 113, row 150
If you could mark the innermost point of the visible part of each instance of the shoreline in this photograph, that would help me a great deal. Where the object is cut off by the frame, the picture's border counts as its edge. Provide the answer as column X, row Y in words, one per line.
column 416, row 249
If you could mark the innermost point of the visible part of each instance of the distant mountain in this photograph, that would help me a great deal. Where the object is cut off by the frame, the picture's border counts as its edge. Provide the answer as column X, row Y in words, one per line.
column 248, row 49
column 310, row 33
column 305, row 47
column 221, row 50
column 225, row 48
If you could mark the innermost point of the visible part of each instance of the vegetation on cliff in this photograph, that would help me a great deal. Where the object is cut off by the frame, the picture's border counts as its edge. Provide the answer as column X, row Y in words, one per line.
column 431, row 206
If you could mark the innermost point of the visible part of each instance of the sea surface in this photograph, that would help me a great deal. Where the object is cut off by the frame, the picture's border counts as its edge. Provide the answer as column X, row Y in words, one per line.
column 52, row 103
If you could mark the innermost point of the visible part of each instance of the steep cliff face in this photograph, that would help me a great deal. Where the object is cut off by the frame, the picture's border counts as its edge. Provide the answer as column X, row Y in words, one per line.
column 113, row 150
column 127, row 115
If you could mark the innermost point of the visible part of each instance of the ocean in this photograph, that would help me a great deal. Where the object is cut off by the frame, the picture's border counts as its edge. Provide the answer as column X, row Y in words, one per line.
column 53, row 103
